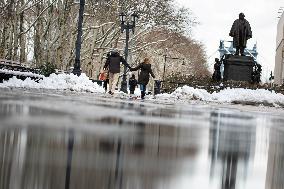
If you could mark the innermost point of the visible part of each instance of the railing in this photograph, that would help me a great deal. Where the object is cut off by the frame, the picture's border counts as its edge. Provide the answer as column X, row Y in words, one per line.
column 9, row 69
column 16, row 66
column 9, row 62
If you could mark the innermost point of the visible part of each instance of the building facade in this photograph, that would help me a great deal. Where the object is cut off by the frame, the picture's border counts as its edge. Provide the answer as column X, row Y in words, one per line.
column 279, row 58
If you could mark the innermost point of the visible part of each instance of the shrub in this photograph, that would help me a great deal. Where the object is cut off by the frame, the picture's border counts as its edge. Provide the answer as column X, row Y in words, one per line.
column 47, row 69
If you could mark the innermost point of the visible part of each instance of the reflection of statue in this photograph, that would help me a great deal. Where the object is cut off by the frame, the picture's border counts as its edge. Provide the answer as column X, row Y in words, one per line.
column 217, row 70
column 230, row 147
column 241, row 32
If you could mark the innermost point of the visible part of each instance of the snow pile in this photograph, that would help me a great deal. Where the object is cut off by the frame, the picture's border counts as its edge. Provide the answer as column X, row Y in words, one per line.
column 57, row 82
column 187, row 93
column 26, row 74
column 237, row 95
column 258, row 96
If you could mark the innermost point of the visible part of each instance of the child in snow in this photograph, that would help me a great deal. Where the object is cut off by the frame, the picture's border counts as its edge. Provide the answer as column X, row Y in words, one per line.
column 132, row 84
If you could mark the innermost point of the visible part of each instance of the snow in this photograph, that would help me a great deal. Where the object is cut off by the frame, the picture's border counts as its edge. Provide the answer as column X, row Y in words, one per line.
column 240, row 95
column 56, row 82
column 186, row 93
column 248, row 95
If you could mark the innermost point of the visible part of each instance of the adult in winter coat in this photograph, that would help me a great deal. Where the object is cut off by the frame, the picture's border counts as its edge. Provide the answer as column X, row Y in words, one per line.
column 113, row 65
column 145, row 72
column 217, row 71
column 241, row 32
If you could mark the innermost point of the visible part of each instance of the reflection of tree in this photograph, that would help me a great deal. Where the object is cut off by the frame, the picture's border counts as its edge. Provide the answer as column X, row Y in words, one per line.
column 12, row 156
column 275, row 165
column 146, row 155
column 232, row 142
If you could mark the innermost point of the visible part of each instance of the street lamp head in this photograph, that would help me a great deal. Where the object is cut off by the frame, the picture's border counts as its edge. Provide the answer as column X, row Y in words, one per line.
column 122, row 17
column 134, row 18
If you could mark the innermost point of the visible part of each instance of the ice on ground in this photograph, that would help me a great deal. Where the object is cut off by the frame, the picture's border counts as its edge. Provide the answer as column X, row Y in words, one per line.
column 57, row 82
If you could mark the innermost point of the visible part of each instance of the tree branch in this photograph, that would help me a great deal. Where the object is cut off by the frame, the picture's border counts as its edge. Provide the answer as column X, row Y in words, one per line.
column 37, row 18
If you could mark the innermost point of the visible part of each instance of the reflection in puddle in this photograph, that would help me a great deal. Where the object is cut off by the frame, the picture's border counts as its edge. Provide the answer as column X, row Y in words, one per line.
column 232, row 145
column 134, row 145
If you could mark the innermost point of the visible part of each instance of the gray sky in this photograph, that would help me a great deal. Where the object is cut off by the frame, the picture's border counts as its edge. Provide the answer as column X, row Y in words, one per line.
column 216, row 18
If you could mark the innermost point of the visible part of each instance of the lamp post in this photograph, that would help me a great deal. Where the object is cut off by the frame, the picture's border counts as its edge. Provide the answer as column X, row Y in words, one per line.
column 77, row 64
column 125, row 25
column 165, row 62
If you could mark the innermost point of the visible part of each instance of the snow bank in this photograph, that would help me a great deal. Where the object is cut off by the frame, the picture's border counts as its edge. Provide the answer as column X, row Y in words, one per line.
column 57, row 82
column 237, row 95
column 248, row 95
column 187, row 93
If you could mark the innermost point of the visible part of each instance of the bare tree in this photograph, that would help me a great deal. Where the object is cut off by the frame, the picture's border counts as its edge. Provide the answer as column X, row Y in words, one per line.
column 45, row 31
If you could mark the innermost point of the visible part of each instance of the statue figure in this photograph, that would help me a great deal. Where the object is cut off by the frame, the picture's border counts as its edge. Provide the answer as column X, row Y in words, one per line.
column 241, row 32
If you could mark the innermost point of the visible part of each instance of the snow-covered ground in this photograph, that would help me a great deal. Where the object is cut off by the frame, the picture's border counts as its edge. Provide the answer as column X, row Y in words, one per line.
column 182, row 94
column 56, row 82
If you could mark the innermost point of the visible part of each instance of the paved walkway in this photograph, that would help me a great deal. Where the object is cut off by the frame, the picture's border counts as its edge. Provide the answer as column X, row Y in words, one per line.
column 54, row 139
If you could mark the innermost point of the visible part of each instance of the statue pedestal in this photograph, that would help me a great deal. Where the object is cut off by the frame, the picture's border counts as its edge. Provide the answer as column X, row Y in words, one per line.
column 238, row 68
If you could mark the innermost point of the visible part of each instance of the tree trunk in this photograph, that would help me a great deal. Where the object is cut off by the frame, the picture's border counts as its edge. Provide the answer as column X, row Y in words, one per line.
column 10, row 30
column 16, row 33
column 23, row 57
column 37, row 38
column 3, row 41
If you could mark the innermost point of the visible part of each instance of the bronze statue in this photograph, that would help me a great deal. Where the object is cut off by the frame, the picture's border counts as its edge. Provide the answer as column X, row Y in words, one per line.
column 241, row 32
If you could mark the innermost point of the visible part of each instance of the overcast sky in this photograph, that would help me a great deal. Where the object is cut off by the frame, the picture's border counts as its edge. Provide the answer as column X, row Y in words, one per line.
column 217, row 16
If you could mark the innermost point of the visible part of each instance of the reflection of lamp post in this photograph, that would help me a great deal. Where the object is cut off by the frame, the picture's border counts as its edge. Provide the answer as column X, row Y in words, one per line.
column 71, row 139
column 77, row 64
column 127, row 27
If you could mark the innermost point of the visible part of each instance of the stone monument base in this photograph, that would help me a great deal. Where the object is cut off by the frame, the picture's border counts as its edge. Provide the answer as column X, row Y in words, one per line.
column 238, row 68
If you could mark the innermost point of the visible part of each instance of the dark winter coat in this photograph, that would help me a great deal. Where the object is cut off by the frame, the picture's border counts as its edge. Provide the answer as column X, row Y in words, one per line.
column 132, row 84
column 217, row 72
column 241, row 32
column 113, row 63
column 144, row 76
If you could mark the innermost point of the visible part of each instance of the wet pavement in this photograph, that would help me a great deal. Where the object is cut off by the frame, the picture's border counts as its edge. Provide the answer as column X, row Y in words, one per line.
column 70, row 141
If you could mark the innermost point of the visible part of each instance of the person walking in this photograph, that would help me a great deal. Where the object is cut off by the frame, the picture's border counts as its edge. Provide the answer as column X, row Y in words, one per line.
column 113, row 65
column 132, row 84
column 143, row 79
column 217, row 71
